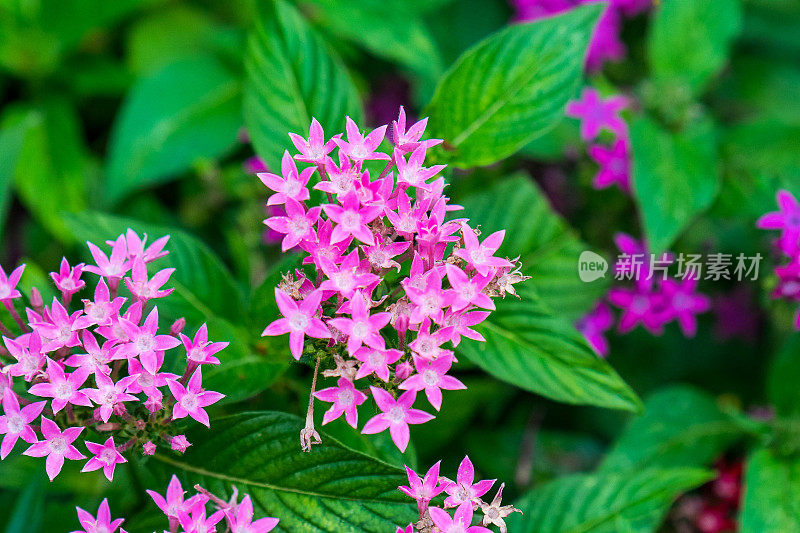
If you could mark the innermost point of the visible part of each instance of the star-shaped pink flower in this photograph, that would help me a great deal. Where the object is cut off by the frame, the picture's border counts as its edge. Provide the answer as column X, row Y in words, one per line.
column 145, row 289
column 683, row 303
column 8, row 284
column 63, row 388
column 174, row 503
column 297, row 225
column 468, row 291
column 412, row 172
column 346, row 399
column 361, row 328
column 464, row 489
column 145, row 342
column 106, row 457
column 480, row 255
column 199, row 350
column 241, row 519
column 68, row 279
column 432, row 377
column 352, row 219
column 460, row 523
column 596, row 114
column 298, row 320
column 315, row 149
column 191, row 399
column 786, row 219
column 100, row 311
column 56, row 446
column 109, row 394
column 362, row 147
column 15, row 422
column 375, row 361
column 101, row 524
column 290, row 185
column 396, row 416
column 408, row 140
column 615, row 165
column 111, row 268
column 426, row 489
column 594, row 325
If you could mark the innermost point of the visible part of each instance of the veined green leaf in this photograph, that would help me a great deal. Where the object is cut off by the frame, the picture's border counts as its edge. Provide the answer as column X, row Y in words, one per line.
column 771, row 494
column 510, row 88
column 292, row 77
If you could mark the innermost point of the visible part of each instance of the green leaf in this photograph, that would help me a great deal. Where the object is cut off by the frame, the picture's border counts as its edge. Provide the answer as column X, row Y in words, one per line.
column 204, row 288
column 680, row 426
column 53, row 165
column 634, row 501
column 771, row 494
column 292, row 77
column 675, row 177
column 690, row 40
column 548, row 247
column 783, row 376
column 187, row 111
column 510, row 88
column 332, row 488
column 387, row 28
column 28, row 509
column 527, row 346
column 11, row 142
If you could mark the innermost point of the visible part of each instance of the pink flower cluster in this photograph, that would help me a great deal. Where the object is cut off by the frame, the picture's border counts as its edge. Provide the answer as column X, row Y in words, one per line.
column 395, row 281
column 187, row 515
column 597, row 114
column 464, row 495
column 787, row 220
column 606, row 44
column 99, row 366
column 652, row 300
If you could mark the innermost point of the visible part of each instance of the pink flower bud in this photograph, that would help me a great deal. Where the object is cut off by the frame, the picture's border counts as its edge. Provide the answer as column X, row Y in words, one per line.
column 148, row 448
column 36, row 298
column 403, row 370
column 179, row 443
column 177, row 327
column 153, row 404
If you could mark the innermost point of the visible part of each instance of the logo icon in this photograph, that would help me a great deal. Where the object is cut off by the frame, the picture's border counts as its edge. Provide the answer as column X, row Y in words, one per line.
column 591, row 266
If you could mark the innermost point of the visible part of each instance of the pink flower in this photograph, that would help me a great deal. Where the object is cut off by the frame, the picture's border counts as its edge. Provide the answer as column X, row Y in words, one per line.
column 324, row 247
column 464, row 489
column 96, row 358
column 101, row 310
column 62, row 388
column 614, row 165
column 241, row 519
column 431, row 377
column 8, row 284
column 342, row 179
column 57, row 326
column 424, row 490
column 374, row 361
column 352, row 219
column 180, row 443
column 640, row 305
column 480, row 255
column 606, row 44
column 149, row 448
column 361, row 328
column 596, row 114
column 786, row 219
column 201, row 351
column 15, row 422
column 460, row 523
column 297, row 225
column 191, row 400
column 315, row 149
column 101, row 524
column 298, row 321
column 361, row 147
column 346, row 399
column 380, row 255
column 30, row 358
column 411, row 172
column 68, row 280
column 458, row 325
column 408, row 140
column 143, row 288
column 114, row 267
column 196, row 519
column 291, row 185
column 396, row 416
column 594, row 324
column 468, row 291
column 109, row 394
column 431, row 299
column 137, row 247
column 347, row 277
column 106, row 457
column 145, row 342
column 408, row 529
column 254, row 165
column 428, row 345
column 174, row 504
column 56, row 446
column 146, row 381
column 683, row 303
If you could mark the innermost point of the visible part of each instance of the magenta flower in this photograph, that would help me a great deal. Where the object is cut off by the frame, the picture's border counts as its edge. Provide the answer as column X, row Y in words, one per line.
column 254, row 165
column 96, row 357
column 291, row 185
column 351, row 219
column 15, row 422
column 56, row 446
column 606, row 44
column 149, row 448
column 593, row 326
column 460, row 523
column 407, row 140
column 30, row 358
column 106, row 457
column 341, row 179
column 144, row 289
column 324, row 248
column 480, row 256
column 145, row 342
column 426, row 489
column 458, row 325
column 683, row 303
column 396, row 416
column 596, row 114
column 380, row 255
column 110, row 394
column 101, row 524
column 315, row 149
column 297, row 225
column 361, row 328
column 375, row 361
column 346, row 399
column 640, row 305
column 786, row 219
column 174, row 504
column 111, row 268
column 8, row 284
column 428, row 345
column 468, row 291
column 298, row 321
column 615, row 165
column 240, row 518
column 62, row 388
column 408, row 529
column 412, row 173
column 137, row 247
column 146, row 381
column 192, row 399
column 362, row 147
column 180, row 443
column 101, row 310
column 196, row 519
column 68, row 280
column 432, row 377
column 347, row 277
column 57, row 326
column 199, row 350
column 464, row 489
